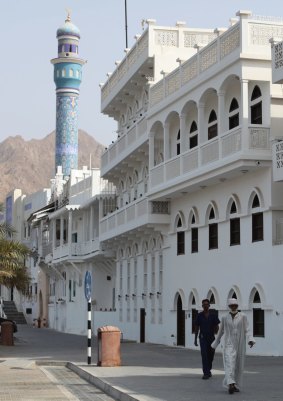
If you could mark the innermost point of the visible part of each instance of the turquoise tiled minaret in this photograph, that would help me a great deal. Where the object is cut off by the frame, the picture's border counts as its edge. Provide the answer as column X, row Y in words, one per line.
column 67, row 77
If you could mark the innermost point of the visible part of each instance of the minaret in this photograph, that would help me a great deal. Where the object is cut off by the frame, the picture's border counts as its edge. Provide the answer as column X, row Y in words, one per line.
column 67, row 77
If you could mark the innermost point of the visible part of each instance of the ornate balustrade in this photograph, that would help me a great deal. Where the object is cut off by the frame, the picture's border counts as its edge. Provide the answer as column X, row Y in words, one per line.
column 132, row 216
column 124, row 145
column 215, row 51
column 214, row 150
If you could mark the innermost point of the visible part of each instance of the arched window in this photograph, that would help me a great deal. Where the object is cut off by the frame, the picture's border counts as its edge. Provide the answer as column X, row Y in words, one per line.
column 211, row 214
column 234, row 114
column 212, row 231
column 258, row 316
column 194, row 235
column 212, row 125
column 71, row 72
column 256, row 202
column 235, row 236
column 256, row 106
column 212, row 299
column 194, row 314
column 257, row 221
column 63, row 72
column 193, row 138
column 180, row 237
column 256, row 299
column 178, row 143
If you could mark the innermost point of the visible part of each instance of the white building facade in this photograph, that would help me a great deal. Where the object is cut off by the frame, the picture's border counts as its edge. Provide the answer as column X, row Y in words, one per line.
column 70, row 246
column 198, row 213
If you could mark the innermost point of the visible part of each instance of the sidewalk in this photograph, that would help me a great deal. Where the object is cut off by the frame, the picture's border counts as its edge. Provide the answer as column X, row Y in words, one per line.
column 151, row 372
column 159, row 373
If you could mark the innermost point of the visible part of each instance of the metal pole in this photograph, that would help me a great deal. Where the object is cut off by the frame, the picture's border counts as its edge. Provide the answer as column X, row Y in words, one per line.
column 126, row 24
column 89, row 332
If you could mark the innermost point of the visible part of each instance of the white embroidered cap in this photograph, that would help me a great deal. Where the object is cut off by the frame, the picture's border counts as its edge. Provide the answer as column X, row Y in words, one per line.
column 233, row 301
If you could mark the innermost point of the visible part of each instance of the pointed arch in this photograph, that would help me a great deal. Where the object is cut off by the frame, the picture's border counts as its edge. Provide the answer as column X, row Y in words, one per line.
column 255, row 192
column 178, row 293
column 179, row 222
column 235, row 293
column 193, row 217
column 152, row 244
column 145, row 246
column 233, row 209
column 258, row 288
column 256, row 93
column 212, row 205
column 194, row 296
column 135, row 249
column 213, row 293
column 160, row 241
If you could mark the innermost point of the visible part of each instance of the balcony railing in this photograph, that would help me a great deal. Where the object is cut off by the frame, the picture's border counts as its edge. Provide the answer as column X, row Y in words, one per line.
column 124, row 145
column 80, row 249
column 133, row 216
column 217, row 149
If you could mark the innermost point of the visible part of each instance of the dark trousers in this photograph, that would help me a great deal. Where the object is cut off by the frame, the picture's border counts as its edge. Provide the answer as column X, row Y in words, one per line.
column 207, row 355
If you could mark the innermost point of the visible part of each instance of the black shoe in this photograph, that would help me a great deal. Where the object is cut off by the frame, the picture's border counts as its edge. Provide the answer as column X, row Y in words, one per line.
column 236, row 390
column 231, row 389
column 210, row 374
column 205, row 377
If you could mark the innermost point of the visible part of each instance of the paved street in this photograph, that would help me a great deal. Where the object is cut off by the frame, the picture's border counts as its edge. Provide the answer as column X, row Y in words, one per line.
column 148, row 373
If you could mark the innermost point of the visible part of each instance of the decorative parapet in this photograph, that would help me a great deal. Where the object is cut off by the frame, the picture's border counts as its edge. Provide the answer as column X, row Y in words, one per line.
column 277, row 161
column 277, row 60
column 213, row 52
column 122, row 68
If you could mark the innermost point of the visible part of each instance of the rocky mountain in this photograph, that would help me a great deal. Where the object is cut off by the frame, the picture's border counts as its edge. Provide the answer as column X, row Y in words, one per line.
column 29, row 165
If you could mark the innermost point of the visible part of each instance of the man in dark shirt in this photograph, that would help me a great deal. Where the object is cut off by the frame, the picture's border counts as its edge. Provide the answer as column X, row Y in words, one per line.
column 206, row 325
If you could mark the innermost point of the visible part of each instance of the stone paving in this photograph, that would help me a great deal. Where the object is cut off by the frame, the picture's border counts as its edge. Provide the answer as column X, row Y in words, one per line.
column 33, row 370
column 23, row 380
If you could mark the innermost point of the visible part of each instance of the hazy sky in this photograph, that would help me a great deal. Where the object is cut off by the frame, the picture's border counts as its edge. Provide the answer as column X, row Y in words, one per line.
column 28, row 32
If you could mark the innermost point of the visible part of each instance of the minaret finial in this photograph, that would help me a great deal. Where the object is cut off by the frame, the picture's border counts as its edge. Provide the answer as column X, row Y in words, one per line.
column 68, row 19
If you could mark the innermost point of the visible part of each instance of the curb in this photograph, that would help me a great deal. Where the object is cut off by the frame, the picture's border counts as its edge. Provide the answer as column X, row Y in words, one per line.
column 106, row 387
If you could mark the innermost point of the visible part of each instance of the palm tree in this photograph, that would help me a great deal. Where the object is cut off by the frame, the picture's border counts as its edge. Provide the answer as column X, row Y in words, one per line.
column 13, row 272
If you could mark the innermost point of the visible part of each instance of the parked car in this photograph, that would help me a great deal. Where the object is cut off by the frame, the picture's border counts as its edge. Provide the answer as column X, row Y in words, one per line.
column 2, row 320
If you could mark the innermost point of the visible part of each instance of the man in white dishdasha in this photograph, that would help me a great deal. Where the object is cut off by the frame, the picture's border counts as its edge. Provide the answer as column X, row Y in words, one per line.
column 234, row 326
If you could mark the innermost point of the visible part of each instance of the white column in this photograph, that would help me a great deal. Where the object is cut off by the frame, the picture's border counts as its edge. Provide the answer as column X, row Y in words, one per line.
column 221, row 119
column 183, row 133
column 166, row 142
column 244, row 113
column 202, row 131
column 221, row 113
column 61, row 230
column 151, row 150
column 91, row 224
column 70, row 223
column 53, row 235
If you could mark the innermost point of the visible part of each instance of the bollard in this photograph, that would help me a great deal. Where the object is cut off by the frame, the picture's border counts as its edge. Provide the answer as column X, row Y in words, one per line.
column 108, row 342
column 7, row 333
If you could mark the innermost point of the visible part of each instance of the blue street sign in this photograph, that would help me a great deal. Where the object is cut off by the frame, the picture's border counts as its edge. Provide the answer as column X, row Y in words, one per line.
column 88, row 286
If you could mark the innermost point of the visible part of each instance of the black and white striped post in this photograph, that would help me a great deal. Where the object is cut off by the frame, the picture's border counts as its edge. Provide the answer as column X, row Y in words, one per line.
column 89, row 332
column 88, row 298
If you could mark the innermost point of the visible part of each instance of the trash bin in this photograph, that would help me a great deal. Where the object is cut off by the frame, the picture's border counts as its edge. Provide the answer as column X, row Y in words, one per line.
column 7, row 333
column 108, row 341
